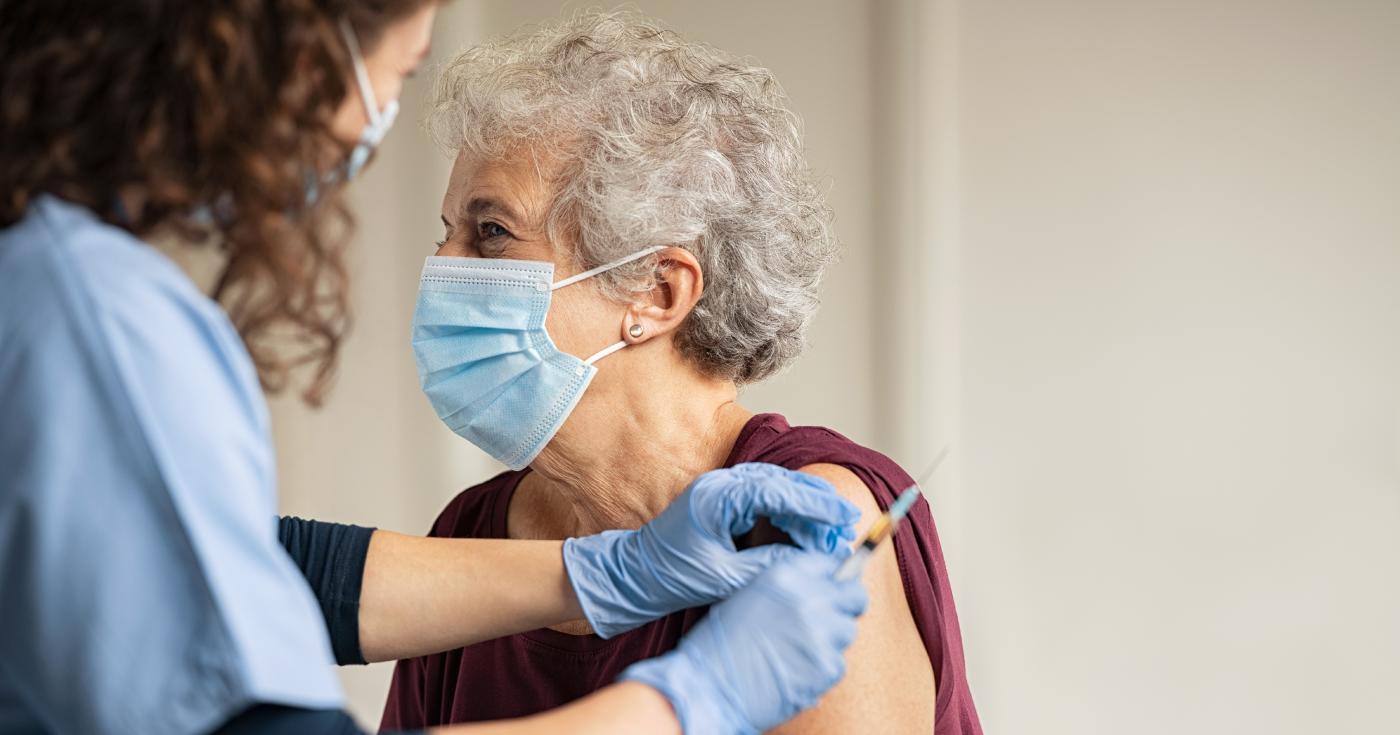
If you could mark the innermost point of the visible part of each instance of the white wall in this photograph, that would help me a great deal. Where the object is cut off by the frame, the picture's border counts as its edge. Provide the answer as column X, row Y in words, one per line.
column 1181, row 364
column 1138, row 262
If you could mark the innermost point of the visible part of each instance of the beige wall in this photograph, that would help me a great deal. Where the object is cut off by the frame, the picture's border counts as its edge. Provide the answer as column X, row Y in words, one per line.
column 1181, row 363
column 1139, row 262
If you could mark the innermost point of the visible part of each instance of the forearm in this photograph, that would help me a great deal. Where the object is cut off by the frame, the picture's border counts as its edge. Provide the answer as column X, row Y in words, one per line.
column 426, row 595
column 628, row 708
column 387, row 596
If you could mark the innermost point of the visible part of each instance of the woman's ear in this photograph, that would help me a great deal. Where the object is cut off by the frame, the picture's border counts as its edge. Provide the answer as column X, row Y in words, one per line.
column 679, row 285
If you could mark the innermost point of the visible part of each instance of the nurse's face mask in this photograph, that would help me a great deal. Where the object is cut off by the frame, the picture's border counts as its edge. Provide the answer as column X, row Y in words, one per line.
column 379, row 121
column 484, row 358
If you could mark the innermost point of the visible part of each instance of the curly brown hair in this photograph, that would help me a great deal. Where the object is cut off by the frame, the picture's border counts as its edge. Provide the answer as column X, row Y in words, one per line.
column 205, row 120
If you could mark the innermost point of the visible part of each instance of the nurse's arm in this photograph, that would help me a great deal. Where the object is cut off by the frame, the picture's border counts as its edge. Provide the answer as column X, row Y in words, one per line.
column 387, row 596
column 426, row 595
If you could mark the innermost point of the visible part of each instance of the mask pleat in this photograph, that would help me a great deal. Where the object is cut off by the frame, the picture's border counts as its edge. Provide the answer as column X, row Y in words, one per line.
column 471, row 385
column 454, row 348
column 537, row 413
column 449, row 309
column 470, row 414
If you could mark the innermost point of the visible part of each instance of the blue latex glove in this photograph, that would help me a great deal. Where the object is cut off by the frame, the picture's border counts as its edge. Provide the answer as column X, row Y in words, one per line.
column 763, row 655
column 686, row 556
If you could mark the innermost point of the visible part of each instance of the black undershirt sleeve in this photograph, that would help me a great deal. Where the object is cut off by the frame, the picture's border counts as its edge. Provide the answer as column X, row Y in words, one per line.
column 273, row 719
column 332, row 558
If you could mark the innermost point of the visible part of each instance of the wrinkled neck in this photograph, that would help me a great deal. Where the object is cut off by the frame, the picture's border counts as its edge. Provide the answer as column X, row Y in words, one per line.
column 628, row 450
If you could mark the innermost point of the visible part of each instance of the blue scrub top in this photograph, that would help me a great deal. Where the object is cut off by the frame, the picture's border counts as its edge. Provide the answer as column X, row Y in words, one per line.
column 142, row 585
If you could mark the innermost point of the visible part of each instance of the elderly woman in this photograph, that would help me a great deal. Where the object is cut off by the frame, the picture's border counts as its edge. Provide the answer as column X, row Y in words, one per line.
column 623, row 194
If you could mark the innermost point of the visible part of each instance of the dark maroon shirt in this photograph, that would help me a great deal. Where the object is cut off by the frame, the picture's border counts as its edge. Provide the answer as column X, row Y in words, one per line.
column 532, row 672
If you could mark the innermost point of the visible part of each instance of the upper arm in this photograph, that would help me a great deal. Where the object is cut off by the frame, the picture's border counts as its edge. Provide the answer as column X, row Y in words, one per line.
column 137, row 526
column 332, row 556
column 887, row 668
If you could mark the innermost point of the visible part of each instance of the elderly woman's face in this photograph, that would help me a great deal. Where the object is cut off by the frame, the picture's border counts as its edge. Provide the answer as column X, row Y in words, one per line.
column 496, row 208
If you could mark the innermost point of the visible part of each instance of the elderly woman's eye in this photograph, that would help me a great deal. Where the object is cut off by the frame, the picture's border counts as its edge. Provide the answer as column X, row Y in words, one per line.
column 488, row 230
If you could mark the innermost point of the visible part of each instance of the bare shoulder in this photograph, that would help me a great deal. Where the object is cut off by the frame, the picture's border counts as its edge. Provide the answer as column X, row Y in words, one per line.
column 888, row 670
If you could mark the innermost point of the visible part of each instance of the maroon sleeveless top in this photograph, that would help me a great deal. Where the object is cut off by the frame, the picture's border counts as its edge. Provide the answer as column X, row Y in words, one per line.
column 532, row 672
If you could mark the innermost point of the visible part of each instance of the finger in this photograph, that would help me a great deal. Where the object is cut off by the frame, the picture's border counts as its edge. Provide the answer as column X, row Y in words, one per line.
column 850, row 597
column 810, row 570
column 834, row 669
column 817, row 536
column 760, row 469
column 774, row 497
column 723, row 500
column 843, row 633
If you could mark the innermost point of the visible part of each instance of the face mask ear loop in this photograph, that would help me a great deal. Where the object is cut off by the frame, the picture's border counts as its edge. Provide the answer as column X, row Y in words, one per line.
column 361, row 73
column 600, row 354
column 571, row 280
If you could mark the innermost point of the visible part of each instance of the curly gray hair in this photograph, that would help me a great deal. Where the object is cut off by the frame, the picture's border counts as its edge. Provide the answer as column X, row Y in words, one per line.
column 664, row 142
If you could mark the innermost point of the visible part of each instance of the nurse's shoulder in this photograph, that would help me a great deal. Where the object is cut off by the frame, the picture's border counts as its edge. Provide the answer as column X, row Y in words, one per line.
column 74, row 288
column 61, row 260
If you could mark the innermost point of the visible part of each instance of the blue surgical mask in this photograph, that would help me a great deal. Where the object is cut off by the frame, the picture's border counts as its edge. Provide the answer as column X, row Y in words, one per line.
column 485, row 361
column 379, row 121
column 374, row 132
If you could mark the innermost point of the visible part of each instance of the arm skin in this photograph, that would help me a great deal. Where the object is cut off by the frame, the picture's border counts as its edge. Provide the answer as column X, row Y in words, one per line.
column 422, row 596
column 629, row 708
column 887, row 668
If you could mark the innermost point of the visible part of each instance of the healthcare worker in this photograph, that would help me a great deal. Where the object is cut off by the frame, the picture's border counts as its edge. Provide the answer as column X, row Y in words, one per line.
column 143, row 588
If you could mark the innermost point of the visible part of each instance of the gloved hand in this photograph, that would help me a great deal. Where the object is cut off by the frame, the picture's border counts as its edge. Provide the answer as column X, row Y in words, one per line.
column 686, row 556
column 764, row 654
